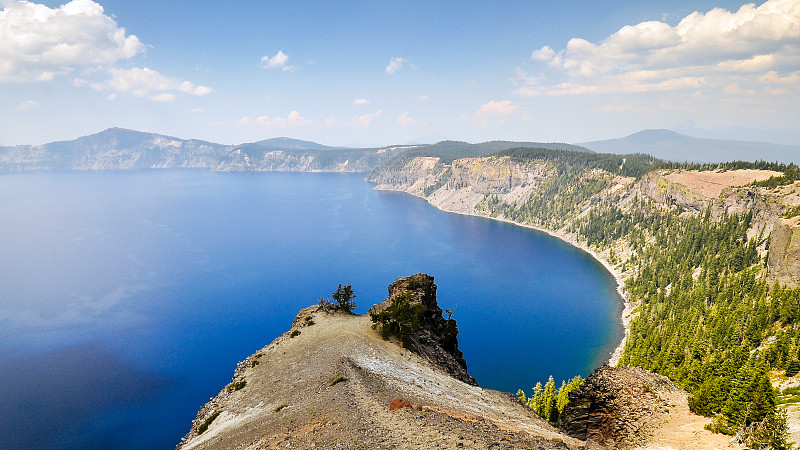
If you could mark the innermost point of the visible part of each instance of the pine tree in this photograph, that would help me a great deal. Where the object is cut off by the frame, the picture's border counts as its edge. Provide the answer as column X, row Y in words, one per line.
column 549, row 411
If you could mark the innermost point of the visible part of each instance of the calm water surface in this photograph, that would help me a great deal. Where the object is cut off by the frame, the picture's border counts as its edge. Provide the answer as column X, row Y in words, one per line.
column 127, row 298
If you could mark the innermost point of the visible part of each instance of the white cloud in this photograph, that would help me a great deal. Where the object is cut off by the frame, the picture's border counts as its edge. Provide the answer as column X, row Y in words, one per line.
column 27, row 104
column 189, row 88
column 361, row 101
column 277, row 62
column 39, row 42
column 163, row 98
column 366, row 119
column 545, row 54
column 405, row 121
column 494, row 111
column 395, row 64
column 294, row 119
column 703, row 50
column 142, row 82
column 111, row 96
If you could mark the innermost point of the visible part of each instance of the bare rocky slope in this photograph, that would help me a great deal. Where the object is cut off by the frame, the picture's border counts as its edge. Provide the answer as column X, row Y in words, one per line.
column 331, row 381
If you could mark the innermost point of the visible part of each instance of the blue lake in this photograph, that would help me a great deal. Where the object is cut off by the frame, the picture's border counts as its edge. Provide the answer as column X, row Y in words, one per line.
column 127, row 298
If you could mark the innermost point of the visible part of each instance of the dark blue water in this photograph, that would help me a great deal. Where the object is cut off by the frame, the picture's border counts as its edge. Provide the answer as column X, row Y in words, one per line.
column 127, row 298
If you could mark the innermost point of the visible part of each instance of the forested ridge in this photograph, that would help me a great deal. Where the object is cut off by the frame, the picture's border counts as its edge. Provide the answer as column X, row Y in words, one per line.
column 708, row 316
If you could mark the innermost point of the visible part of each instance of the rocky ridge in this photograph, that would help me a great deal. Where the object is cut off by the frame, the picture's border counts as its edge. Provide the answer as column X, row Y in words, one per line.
column 464, row 185
column 331, row 381
column 618, row 407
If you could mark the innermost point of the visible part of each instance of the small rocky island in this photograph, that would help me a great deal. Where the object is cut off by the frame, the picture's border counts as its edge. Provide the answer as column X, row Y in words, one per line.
column 338, row 380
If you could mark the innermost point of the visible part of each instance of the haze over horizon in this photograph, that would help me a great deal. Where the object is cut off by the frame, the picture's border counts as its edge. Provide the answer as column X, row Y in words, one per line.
column 371, row 74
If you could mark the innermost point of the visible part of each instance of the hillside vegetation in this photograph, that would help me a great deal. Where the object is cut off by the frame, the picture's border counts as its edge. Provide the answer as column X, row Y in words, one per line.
column 715, row 307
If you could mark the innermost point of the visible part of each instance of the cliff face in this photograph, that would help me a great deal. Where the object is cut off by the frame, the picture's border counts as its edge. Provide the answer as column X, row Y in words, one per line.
column 618, row 407
column 784, row 254
column 435, row 340
column 468, row 185
column 331, row 381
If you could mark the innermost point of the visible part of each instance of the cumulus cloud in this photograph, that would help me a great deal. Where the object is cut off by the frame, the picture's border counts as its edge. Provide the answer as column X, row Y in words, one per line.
column 494, row 111
column 361, row 101
column 39, row 42
column 366, row 119
column 395, row 64
column 26, row 105
column 142, row 82
column 710, row 49
column 405, row 121
column 279, row 61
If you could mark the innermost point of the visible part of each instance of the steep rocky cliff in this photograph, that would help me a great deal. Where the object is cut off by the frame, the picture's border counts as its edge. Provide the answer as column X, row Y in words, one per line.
column 436, row 338
column 618, row 407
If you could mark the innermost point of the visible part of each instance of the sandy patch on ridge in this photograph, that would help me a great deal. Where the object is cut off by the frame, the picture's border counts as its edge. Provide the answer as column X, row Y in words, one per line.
column 711, row 184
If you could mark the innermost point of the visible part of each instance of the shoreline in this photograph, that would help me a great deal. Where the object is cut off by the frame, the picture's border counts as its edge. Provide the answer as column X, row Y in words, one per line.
column 627, row 305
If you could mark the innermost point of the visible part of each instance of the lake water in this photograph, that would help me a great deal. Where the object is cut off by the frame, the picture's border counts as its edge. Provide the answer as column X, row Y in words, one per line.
column 127, row 298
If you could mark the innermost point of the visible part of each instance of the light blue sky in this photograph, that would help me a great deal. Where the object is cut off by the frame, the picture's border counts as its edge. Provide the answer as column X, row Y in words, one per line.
column 378, row 73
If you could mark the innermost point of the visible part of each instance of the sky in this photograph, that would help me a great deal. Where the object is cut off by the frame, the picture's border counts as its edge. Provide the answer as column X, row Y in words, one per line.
column 376, row 73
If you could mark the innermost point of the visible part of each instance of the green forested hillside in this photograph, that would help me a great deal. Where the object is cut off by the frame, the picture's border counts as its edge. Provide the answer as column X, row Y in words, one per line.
column 708, row 318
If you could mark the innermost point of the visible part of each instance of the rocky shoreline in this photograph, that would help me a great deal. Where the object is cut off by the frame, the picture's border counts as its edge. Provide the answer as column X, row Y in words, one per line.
column 628, row 306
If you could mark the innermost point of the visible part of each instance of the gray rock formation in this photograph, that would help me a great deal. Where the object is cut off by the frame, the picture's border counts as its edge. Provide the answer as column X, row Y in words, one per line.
column 617, row 407
column 436, row 339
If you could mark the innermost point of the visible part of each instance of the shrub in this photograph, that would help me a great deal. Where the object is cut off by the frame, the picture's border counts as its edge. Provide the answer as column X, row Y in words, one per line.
column 206, row 423
column 237, row 385
column 337, row 380
column 402, row 318
column 294, row 333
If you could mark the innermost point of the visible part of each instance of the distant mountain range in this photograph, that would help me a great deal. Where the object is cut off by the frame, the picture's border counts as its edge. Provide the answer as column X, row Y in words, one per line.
column 672, row 146
column 118, row 148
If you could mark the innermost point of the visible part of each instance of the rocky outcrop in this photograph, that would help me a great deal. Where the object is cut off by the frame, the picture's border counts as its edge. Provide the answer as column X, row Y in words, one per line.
column 436, row 339
column 784, row 251
column 330, row 382
column 617, row 407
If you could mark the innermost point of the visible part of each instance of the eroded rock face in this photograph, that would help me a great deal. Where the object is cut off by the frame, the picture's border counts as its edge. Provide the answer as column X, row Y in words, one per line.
column 784, row 251
column 435, row 340
column 617, row 407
